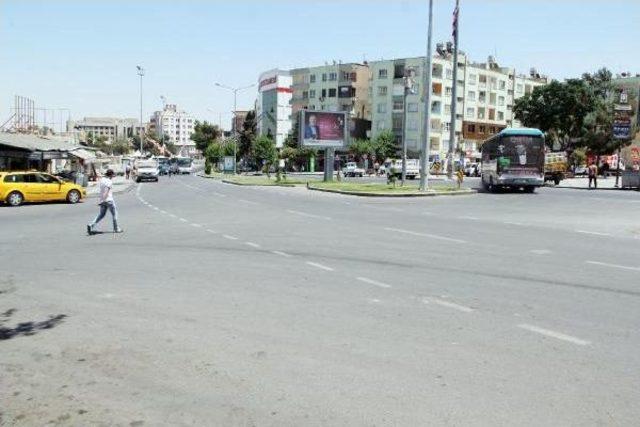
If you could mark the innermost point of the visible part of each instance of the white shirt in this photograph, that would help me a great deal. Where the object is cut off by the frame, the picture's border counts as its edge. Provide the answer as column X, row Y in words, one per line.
column 106, row 190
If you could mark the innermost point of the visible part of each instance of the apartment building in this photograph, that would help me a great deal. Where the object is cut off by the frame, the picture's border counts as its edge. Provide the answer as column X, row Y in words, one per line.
column 485, row 96
column 273, row 106
column 111, row 128
column 332, row 87
column 178, row 125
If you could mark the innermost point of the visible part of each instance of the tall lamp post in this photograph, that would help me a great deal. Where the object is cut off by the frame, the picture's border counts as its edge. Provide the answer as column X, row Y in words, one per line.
column 426, row 93
column 141, row 74
column 235, row 91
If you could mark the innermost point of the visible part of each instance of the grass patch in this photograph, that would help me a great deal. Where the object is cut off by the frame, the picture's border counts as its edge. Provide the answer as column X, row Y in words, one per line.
column 262, row 180
column 382, row 188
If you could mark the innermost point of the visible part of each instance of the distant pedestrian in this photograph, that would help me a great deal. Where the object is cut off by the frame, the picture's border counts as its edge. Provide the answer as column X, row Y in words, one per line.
column 106, row 203
column 127, row 170
column 593, row 175
column 604, row 170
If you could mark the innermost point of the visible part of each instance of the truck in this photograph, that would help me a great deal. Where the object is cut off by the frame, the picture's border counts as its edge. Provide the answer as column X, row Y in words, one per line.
column 555, row 166
column 352, row 169
column 146, row 170
column 394, row 168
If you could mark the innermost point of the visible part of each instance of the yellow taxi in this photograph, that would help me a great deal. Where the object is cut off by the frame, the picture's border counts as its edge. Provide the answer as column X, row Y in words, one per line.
column 19, row 187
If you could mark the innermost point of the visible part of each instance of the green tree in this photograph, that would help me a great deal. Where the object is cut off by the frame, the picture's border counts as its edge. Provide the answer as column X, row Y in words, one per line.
column 265, row 152
column 120, row 147
column 247, row 135
column 361, row 147
column 204, row 134
column 384, row 145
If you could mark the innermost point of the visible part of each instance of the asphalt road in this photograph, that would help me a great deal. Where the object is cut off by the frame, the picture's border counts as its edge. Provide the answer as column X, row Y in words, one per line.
column 227, row 305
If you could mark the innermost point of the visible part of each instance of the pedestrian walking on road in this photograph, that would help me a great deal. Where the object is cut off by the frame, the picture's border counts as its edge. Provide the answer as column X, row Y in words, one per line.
column 106, row 203
column 127, row 170
column 593, row 175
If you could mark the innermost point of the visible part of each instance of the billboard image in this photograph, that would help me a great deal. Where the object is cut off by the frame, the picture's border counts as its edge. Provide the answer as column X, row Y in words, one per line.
column 323, row 128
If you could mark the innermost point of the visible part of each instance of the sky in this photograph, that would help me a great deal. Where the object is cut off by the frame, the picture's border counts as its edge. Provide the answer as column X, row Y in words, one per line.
column 82, row 55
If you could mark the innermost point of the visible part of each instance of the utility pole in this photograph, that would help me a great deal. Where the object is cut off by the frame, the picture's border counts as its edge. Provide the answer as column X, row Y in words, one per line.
column 141, row 74
column 454, row 89
column 426, row 95
column 235, row 91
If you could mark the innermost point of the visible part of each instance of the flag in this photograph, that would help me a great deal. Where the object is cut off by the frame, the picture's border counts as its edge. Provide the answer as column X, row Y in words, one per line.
column 455, row 22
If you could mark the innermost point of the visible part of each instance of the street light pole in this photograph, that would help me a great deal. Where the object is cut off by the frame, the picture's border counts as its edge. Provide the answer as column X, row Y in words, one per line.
column 141, row 74
column 426, row 125
column 454, row 90
column 235, row 91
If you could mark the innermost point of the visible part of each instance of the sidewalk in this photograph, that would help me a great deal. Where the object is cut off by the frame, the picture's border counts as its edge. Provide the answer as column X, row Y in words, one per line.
column 582, row 183
column 120, row 185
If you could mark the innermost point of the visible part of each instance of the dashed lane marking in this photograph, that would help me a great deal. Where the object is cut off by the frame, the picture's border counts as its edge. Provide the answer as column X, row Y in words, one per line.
column 226, row 236
column 308, row 215
column 513, row 223
column 211, row 231
column 196, row 225
column 320, row 266
column 183, row 220
column 253, row 245
column 284, row 254
column 430, row 236
column 373, row 282
column 540, row 251
column 449, row 304
column 249, row 202
column 593, row 233
column 606, row 264
column 554, row 334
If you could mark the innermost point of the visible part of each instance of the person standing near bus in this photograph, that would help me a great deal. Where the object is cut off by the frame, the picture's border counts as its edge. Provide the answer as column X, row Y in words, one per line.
column 593, row 175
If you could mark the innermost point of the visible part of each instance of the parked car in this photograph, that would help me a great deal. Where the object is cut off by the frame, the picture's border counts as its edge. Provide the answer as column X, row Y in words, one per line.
column 352, row 169
column 19, row 187
column 472, row 169
column 580, row 170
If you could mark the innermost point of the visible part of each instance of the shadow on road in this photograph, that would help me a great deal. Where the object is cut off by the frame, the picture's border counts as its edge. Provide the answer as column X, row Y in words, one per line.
column 26, row 328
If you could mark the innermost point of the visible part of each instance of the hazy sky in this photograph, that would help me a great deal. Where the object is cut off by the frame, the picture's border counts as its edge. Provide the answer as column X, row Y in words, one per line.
column 82, row 55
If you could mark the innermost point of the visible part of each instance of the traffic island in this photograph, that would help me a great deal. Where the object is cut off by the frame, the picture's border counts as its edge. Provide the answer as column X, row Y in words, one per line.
column 261, row 181
column 387, row 190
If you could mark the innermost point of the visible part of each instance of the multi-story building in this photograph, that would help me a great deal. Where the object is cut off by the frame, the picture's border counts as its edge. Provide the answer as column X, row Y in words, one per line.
column 485, row 97
column 237, row 121
column 110, row 128
column 332, row 87
column 177, row 125
column 273, row 106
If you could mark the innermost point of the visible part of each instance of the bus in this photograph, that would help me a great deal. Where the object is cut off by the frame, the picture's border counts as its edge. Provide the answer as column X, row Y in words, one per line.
column 184, row 164
column 513, row 158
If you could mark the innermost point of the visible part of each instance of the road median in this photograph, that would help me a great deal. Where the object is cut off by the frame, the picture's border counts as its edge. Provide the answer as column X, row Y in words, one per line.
column 384, row 190
column 262, row 181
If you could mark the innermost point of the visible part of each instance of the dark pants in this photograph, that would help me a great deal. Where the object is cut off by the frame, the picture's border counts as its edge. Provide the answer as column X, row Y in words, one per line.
column 595, row 181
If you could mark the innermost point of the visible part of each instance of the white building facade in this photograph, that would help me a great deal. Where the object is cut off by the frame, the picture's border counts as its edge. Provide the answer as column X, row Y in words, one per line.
column 178, row 126
column 273, row 106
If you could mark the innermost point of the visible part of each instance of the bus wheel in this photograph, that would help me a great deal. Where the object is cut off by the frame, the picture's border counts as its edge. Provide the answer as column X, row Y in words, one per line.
column 529, row 189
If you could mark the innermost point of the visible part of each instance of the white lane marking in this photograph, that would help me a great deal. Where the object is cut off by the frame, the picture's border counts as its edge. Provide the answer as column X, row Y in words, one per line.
column 605, row 264
column 173, row 216
column 554, row 334
column 469, row 218
column 431, row 236
column 541, row 251
column 211, row 231
column 226, row 236
column 373, row 282
column 593, row 233
column 156, row 208
column 513, row 223
column 320, row 266
column 183, row 220
column 196, row 225
column 253, row 245
column 448, row 304
column 249, row 202
column 308, row 215
column 215, row 193
column 374, row 301
column 395, row 209
column 164, row 212
column 284, row 254
column 428, row 213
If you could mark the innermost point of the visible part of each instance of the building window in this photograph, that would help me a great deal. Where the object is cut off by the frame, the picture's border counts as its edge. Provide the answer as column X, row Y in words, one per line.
column 446, row 127
column 324, row 77
column 312, row 93
column 333, row 77
column 435, row 125
column 480, row 113
column 482, row 129
column 344, row 76
column 482, row 97
column 502, row 85
column 324, row 93
column 412, row 124
column 519, row 88
column 447, row 91
column 500, row 115
column 449, row 73
column 501, row 100
column 412, row 107
column 398, row 103
column 312, row 78
column 332, row 93
column 381, row 124
column 471, row 95
column 398, row 71
column 436, row 71
column 494, row 83
column 305, row 94
column 382, row 73
column 472, row 79
column 527, row 89
column 397, row 123
column 447, row 108
column 492, row 99
column 471, row 128
column 382, row 108
column 435, row 107
column 471, row 112
column 492, row 114
column 382, row 90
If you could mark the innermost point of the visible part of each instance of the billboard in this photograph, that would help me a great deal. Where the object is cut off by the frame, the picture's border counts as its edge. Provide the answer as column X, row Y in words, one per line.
column 323, row 129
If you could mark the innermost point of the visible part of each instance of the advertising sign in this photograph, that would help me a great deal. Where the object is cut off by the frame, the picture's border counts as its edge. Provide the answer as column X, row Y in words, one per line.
column 228, row 164
column 635, row 155
column 323, row 129
column 622, row 128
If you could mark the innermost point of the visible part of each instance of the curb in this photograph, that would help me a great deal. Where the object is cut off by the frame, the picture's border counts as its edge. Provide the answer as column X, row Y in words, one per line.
column 373, row 194
column 260, row 185
column 594, row 189
column 207, row 176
